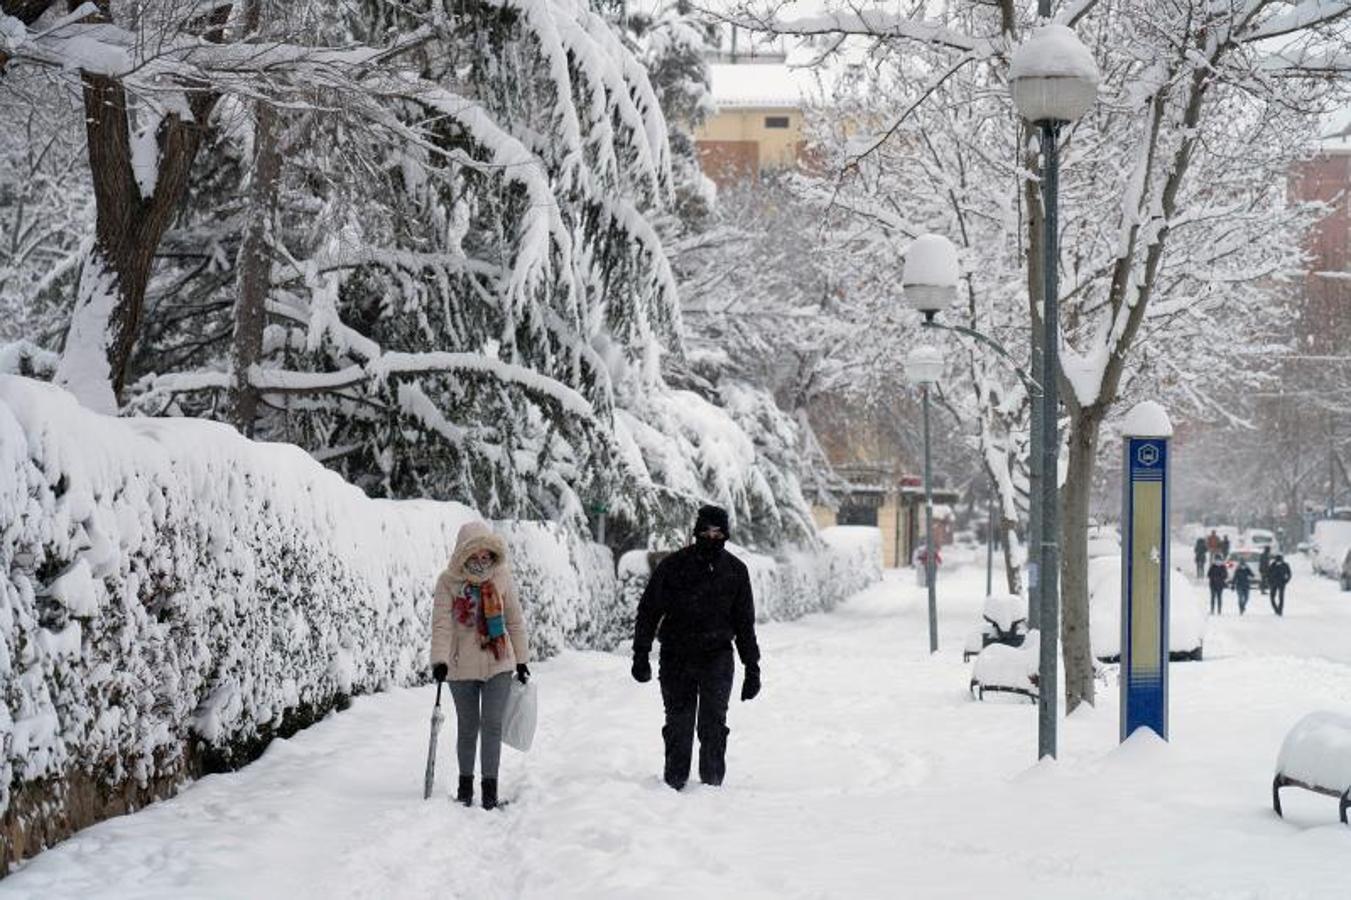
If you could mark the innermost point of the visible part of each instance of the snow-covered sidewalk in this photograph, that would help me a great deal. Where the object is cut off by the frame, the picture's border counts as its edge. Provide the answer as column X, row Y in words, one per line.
column 863, row 770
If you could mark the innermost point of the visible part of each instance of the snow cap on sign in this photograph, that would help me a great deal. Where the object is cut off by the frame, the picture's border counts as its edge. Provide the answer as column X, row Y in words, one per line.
column 931, row 260
column 1053, row 51
column 1147, row 419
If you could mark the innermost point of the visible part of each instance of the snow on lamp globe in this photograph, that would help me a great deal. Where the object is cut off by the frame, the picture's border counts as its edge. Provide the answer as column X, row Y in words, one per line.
column 929, row 282
column 1054, row 76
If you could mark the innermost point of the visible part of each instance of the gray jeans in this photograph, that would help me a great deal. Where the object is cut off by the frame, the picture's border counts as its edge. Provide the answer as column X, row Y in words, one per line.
column 471, row 720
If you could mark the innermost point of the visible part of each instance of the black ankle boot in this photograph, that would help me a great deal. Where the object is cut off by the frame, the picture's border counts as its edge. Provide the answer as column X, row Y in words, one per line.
column 465, row 793
column 489, row 793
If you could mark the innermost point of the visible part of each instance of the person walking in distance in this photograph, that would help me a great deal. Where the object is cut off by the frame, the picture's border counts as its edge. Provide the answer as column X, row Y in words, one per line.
column 698, row 604
column 1242, row 585
column 478, row 639
column 1218, row 576
column 1278, row 576
column 1264, row 569
column 1199, row 552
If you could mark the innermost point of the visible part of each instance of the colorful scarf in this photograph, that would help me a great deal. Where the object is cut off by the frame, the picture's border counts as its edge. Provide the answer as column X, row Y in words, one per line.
column 481, row 607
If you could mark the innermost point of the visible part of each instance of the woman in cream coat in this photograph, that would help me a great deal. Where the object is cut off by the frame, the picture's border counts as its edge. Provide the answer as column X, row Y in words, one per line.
column 478, row 639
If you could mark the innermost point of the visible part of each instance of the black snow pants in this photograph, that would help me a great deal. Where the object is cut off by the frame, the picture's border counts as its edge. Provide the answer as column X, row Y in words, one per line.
column 1278, row 599
column 1216, row 599
column 695, row 688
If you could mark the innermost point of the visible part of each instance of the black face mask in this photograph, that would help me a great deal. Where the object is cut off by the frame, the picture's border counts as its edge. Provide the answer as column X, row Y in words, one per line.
column 708, row 546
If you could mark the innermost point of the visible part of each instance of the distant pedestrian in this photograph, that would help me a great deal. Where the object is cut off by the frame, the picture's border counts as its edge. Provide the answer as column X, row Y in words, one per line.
column 1212, row 543
column 1218, row 576
column 698, row 603
column 1242, row 585
column 1264, row 569
column 1278, row 576
column 478, row 639
column 921, row 562
column 1199, row 551
column 1224, row 547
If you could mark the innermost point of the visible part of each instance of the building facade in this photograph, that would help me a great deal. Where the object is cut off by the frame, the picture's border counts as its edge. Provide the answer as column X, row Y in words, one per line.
column 758, row 126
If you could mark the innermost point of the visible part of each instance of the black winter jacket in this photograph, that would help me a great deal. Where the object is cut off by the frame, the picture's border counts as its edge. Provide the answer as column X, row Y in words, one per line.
column 1217, row 575
column 1243, row 578
column 1279, row 573
column 696, row 603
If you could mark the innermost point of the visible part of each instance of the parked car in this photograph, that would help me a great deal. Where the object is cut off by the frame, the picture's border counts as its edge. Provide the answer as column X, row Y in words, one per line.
column 1331, row 542
column 1346, row 572
column 1261, row 537
column 1186, row 613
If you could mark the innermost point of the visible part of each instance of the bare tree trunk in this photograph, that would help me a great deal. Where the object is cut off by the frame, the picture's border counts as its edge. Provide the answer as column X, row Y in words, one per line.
column 1074, row 501
column 255, row 268
column 1013, row 572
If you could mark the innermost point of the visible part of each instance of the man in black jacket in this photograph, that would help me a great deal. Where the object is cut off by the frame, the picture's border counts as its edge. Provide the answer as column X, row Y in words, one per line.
column 698, row 603
column 1218, row 576
column 1278, row 576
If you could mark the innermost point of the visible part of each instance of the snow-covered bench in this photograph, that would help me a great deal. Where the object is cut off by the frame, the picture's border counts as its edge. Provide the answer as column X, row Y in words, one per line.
column 1005, row 622
column 1002, row 668
column 1316, row 755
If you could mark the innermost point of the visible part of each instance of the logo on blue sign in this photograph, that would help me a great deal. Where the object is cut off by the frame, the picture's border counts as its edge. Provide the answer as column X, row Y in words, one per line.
column 1147, row 454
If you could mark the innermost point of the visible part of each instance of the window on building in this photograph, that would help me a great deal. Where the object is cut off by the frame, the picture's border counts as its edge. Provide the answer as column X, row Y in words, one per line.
column 851, row 514
column 776, row 121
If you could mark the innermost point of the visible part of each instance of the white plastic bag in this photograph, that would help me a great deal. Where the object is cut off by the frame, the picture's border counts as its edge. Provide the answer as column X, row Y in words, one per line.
column 518, row 722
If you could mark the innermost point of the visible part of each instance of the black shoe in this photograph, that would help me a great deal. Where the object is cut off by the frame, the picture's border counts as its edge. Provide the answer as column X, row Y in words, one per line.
column 676, row 785
column 465, row 793
column 489, row 787
column 712, row 782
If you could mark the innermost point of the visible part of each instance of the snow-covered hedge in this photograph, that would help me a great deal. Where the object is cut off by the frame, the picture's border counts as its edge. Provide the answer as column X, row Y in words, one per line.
column 785, row 587
column 174, row 595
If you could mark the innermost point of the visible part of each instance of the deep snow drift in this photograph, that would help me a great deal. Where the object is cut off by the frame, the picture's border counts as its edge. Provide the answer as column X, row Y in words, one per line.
column 863, row 770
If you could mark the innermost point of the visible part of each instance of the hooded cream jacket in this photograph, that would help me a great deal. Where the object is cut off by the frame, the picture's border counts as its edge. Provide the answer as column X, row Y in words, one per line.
column 457, row 645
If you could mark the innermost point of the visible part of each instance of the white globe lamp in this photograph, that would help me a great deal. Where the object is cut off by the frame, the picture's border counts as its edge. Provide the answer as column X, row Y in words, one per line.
column 924, row 365
column 929, row 281
column 1054, row 76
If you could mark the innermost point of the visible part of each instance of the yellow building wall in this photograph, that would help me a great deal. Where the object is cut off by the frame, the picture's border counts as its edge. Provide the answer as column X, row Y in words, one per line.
column 887, row 523
column 778, row 146
column 824, row 516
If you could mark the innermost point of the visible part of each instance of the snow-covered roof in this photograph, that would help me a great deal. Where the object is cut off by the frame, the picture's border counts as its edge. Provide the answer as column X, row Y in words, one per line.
column 757, row 85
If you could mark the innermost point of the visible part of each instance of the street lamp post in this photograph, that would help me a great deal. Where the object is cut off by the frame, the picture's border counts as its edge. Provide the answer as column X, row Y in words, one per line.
column 924, row 367
column 1055, row 81
column 930, row 286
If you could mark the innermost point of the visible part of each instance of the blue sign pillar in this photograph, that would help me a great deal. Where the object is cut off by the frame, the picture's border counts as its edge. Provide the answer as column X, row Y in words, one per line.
column 1144, row 570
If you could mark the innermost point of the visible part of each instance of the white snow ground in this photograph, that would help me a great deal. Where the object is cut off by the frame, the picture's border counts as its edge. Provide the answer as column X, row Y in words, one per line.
column 863, row 770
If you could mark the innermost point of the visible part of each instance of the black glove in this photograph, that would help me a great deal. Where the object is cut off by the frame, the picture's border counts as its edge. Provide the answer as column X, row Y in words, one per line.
column 439, row 671
column 642, row 669
column 522, row 673
column 750, row 683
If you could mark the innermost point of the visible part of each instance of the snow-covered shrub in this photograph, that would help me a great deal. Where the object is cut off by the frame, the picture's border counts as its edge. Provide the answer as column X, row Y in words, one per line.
column 564, row 583
column 175, row 595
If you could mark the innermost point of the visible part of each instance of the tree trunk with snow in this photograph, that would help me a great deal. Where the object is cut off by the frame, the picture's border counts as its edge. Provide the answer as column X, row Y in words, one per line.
column 1074, row 506
column 1013, row 572
column 255, row 269
column 140, row 174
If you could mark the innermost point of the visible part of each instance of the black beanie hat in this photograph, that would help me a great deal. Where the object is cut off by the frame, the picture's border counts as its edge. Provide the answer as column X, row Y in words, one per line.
column 711, row 515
